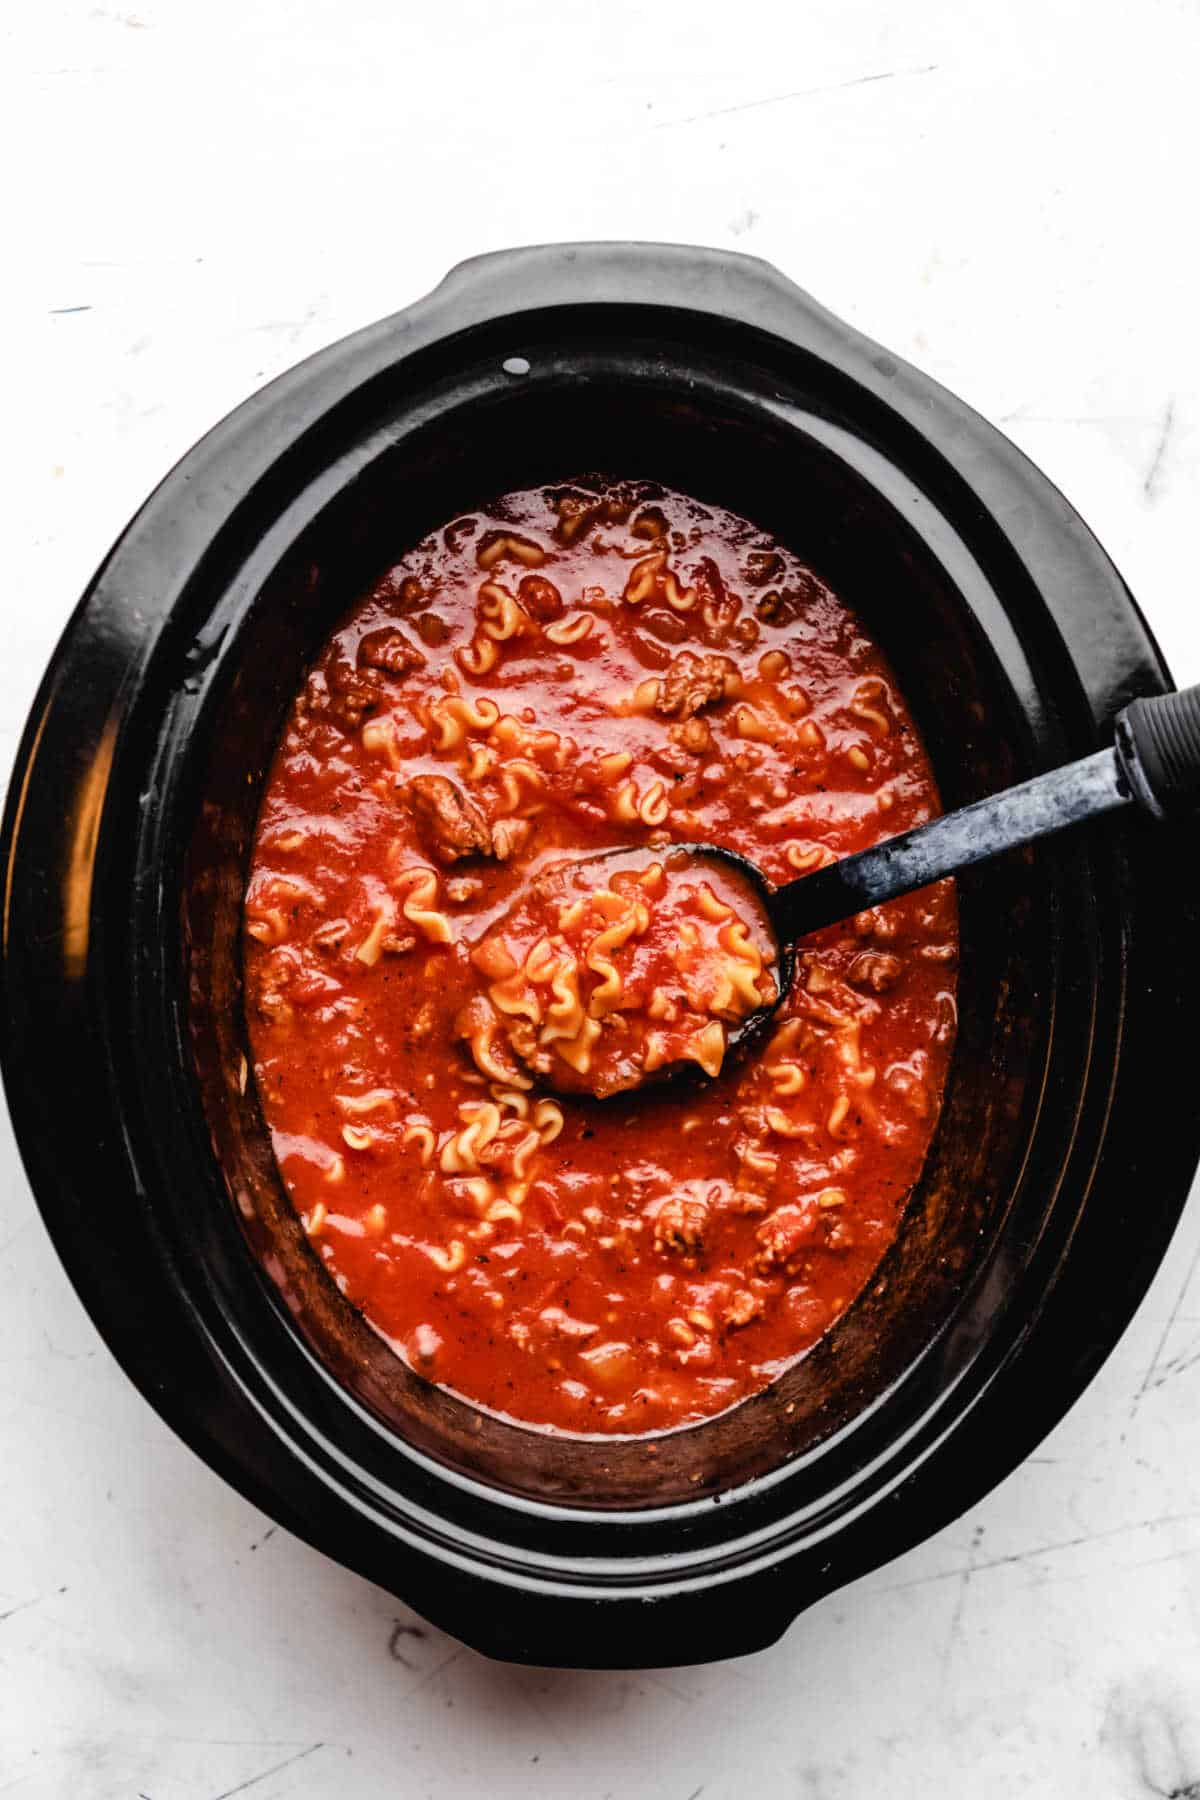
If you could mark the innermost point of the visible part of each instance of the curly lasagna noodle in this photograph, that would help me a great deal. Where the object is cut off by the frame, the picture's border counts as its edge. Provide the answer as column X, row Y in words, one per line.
column 611, row 970
column 432, row 969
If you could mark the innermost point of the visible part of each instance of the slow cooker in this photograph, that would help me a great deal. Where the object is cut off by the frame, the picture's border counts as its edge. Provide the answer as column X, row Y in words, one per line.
column 1069, row 1134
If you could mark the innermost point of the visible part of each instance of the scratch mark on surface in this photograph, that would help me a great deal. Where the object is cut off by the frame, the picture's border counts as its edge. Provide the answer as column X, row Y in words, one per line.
column 265, row 1538
column 274, row 1770
column 438, row 1669
column 831, row 87
column 24, row 1605
column 655, row 1678
column 1148, row 1562
column 696, row 1792
column 173, row 1739
column 1019, row 416
column 1152, row 1367
column 1150, row 485
column 956, row 1621
column 1039, row 1550
column 56, row 312
column 1178, row 1365
column 545, row 1718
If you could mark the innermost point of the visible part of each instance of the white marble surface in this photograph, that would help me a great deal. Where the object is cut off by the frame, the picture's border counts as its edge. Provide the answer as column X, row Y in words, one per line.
column 200, row 192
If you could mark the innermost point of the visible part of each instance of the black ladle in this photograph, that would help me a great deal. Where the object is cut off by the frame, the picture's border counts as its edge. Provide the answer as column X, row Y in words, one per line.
column 1154, row 763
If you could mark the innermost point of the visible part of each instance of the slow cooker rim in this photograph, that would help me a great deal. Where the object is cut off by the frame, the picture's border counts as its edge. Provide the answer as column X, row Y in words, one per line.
column 334, row 479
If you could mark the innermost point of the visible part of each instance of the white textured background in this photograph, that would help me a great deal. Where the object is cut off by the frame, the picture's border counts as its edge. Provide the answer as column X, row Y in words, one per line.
column 197, row 193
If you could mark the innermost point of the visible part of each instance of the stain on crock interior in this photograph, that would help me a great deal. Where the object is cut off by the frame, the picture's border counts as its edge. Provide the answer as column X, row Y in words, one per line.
column 833, row 520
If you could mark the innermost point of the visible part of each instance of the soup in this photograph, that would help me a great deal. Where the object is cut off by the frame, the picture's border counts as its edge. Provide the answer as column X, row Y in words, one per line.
column 576, row 669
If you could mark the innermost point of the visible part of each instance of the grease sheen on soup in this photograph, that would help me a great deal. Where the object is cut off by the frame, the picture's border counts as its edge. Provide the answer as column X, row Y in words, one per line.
column 573, row 669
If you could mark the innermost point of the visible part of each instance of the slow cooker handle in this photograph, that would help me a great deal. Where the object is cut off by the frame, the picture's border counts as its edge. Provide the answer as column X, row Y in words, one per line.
column 1158, row 748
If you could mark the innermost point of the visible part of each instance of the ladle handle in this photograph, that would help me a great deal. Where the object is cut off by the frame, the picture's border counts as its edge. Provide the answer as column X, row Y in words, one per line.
column 1155, row 762
column 1158, row 747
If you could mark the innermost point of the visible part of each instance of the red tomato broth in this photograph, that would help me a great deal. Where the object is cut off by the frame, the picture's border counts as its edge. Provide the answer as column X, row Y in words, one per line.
column 658, row 1256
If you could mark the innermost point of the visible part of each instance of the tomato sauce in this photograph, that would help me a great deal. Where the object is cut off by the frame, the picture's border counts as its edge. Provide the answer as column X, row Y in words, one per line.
column 572, row 670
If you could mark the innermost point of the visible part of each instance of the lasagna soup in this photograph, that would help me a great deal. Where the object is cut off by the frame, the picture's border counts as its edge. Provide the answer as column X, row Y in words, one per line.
column 438, row 981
